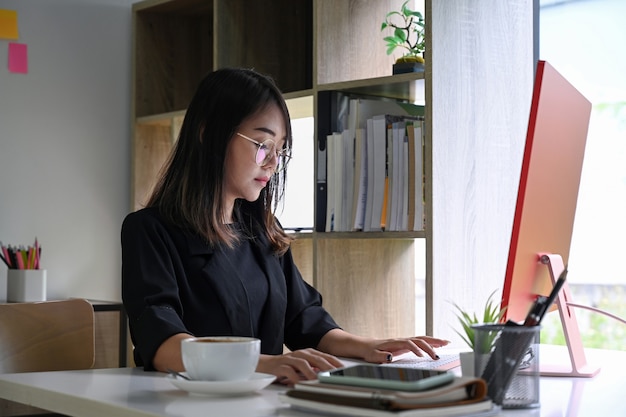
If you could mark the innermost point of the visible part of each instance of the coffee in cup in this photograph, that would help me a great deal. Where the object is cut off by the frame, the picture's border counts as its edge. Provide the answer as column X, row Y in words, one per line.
column 220, row 358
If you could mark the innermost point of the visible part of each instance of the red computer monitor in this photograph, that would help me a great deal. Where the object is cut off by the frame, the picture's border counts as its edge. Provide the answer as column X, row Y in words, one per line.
column 547, row 197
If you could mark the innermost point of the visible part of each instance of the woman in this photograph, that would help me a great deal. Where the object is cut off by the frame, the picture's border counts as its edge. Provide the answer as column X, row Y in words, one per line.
column 207, row 256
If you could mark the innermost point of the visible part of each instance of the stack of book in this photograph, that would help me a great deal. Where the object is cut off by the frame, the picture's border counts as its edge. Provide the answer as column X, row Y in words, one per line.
column 375, row 169
column 464, row 396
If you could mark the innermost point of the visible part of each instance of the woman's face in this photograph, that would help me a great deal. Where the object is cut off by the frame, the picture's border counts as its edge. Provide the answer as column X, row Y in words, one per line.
column 243, row 177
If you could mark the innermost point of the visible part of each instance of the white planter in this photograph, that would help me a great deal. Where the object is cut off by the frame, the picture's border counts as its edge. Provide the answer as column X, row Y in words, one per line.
column 3, row 288
column 26, row 285
column 467, row 363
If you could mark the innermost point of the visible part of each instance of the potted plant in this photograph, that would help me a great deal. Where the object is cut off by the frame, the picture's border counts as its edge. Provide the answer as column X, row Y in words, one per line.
column 408, row 34
column 492, row 313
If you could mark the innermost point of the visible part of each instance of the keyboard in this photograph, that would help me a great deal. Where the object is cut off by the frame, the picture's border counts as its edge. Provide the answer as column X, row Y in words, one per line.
column 445, row 362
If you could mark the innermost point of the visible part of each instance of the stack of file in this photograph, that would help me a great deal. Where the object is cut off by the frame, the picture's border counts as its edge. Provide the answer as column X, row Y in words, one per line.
column 375, row 169
column 463, row 397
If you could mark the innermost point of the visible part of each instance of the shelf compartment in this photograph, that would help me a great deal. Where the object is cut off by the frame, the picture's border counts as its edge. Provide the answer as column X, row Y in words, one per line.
column 174, row 49
column 349, row 42
column 368, row 285
column 275, row 40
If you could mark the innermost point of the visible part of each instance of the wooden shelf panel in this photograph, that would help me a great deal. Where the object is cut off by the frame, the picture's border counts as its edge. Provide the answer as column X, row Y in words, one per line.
column 302, row 250
column 173, row 51
column 368, row 284
column 409, row 87
column 163, row 119
column 153, row 143
column 349, row 42
column 274, row 40
column 178, row 42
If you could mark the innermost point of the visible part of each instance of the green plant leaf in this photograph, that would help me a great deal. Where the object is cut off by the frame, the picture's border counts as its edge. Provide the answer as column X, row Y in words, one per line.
column 400, row 34
column 392, row 13
column 492, row 313
column 413, row 13
column 404, row 8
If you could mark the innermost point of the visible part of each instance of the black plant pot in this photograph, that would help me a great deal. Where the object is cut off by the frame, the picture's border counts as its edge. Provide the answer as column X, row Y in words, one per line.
column 404, row 67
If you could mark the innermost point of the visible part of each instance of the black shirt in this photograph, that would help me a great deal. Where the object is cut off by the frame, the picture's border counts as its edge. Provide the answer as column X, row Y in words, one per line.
column 174, row 282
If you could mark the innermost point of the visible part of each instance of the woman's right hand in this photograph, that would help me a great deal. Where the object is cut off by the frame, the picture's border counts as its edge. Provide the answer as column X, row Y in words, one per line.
column 298, row 365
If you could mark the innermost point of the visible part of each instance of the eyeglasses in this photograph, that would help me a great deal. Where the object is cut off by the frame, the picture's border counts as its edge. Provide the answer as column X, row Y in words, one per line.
column 266, row 150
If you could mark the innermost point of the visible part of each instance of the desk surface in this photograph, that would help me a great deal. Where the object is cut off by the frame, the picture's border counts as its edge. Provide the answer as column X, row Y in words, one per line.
column 133, row 392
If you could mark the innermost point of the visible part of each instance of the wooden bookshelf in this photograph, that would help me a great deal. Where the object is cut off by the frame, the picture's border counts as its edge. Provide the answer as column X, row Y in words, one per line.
column 477, row 55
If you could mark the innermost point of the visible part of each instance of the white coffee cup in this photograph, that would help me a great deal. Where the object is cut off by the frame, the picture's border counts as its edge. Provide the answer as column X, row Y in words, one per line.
column 220, row 358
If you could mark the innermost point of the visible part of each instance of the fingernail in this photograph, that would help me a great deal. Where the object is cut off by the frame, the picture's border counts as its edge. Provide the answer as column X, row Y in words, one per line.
column 389, row 357
column 437, row 357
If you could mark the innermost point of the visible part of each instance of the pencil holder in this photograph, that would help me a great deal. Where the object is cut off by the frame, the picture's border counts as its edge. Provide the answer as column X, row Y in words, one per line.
column 509, row 363
column 3, row 288
column 26, row 285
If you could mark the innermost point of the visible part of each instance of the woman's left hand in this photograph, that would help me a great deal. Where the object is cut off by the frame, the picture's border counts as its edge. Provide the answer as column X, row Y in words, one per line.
column 343, row 344
column 380, row 351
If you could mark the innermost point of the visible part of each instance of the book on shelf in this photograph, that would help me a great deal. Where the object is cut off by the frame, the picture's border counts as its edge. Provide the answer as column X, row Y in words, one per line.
column 465, row 396
column 388, row 215
column 359, row 187
column 348, row 137
column 333, row 184
column 377, row 152
column 369, row 143
column 321, row 186
column 410, row 133
column 340, row 181
column 338, row 161
column 403, row 209
column 415, row 176
column 396, row 176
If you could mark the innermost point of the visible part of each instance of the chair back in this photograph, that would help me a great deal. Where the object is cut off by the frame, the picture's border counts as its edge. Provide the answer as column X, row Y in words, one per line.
column 47, row 336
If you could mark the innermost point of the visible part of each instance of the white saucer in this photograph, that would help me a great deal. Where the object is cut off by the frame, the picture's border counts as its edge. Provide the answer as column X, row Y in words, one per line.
column 256, row 382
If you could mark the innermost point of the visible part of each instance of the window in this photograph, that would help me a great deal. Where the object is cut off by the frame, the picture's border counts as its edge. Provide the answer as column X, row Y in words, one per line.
column 583, row 40
column 297, row 209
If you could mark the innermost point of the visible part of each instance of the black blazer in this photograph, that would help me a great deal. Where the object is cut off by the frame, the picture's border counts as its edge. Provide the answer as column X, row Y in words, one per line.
column 173, row 282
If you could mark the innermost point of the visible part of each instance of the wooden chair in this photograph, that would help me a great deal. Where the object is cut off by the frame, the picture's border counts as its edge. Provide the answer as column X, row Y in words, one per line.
column 45, row 336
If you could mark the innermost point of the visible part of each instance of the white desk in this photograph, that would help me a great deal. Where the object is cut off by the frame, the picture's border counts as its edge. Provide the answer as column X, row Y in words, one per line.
column 132, row 392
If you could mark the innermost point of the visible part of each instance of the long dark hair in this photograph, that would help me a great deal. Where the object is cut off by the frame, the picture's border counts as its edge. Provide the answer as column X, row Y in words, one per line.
column 189, row 190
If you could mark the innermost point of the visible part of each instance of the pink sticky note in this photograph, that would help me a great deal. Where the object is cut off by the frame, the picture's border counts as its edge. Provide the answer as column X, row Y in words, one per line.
column 18, row 58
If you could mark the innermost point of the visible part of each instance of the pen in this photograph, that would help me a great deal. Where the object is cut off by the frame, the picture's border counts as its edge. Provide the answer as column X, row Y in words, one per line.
column 5, row 261
column 534, row 315
column 5, row 255
column 542, row 303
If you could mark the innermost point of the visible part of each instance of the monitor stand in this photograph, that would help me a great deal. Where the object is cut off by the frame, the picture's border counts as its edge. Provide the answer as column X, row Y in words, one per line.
column 578, row 366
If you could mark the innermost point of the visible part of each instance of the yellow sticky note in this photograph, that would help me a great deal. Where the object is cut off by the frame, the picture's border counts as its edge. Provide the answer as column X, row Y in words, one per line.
column 8, row 24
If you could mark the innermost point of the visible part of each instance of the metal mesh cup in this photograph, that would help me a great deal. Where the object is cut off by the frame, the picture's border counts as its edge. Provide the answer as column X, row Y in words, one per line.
column 506, row 356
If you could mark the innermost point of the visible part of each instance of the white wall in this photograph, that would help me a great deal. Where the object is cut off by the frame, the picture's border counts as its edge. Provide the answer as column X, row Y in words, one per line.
column 64, row 141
